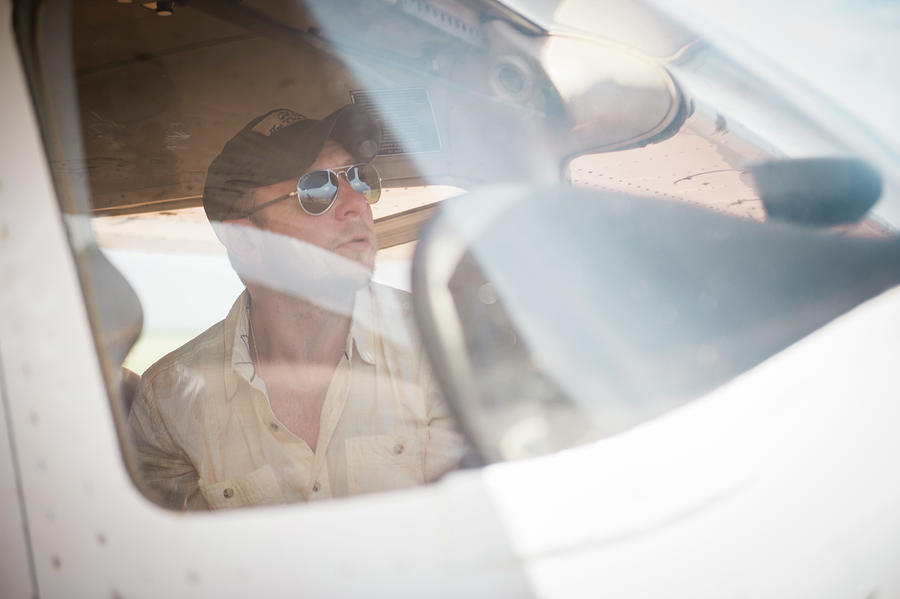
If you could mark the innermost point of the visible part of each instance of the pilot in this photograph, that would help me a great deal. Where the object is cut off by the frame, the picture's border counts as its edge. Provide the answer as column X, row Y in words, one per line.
column 315, row 384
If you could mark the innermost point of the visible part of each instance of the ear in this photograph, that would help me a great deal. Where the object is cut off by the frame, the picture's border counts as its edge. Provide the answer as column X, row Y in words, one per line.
column 238, row 236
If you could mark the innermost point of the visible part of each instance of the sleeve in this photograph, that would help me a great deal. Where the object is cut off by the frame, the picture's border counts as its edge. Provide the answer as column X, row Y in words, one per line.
column 164, row 470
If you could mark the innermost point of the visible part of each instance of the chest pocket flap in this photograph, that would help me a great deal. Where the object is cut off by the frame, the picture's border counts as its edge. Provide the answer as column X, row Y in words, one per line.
column 384, row 462
column 258, row 487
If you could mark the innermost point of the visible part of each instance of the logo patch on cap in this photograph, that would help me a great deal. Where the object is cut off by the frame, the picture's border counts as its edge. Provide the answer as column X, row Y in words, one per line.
column 277, row 120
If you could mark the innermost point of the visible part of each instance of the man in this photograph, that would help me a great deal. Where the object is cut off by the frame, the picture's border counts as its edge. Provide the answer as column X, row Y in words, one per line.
column 314, row 386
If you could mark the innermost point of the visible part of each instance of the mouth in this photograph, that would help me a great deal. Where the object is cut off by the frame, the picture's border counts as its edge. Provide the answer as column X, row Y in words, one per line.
column 357, row 242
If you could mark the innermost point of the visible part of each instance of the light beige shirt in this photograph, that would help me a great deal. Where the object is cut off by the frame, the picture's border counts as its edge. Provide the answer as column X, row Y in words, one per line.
column 206, row 437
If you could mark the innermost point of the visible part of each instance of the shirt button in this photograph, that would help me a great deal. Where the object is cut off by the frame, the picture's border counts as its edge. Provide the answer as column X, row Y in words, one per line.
column 316, row 487
column 398, row 448
column 273, row 426
column 228, row 493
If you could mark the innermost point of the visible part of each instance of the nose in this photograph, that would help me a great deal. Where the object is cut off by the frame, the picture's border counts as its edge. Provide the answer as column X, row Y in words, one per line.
column 349, row 202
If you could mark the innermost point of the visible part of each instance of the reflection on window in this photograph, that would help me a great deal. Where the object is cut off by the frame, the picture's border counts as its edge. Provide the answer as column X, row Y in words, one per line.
column 687, row 168
column 693, row 167
column 159, row 252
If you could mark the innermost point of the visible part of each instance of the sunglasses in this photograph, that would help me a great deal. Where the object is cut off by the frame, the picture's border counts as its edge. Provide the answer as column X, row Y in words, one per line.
column 317, row 190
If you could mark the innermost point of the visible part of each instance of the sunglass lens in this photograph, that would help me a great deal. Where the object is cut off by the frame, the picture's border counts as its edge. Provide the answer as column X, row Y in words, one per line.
column 364, row 178
column 316, row 191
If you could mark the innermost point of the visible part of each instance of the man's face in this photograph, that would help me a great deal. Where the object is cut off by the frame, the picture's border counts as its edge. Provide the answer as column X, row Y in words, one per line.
column 347, row 228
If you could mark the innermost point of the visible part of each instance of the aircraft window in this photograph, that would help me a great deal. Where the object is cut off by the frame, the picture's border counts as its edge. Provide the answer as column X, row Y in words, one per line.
column 313, row 140
column 261, row 191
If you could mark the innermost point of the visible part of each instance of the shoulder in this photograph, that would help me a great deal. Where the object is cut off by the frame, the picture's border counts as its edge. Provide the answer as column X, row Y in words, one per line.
column 382, row 289
column 393, row 323
column 388, row 298
column 203, row 351
column 174, row 391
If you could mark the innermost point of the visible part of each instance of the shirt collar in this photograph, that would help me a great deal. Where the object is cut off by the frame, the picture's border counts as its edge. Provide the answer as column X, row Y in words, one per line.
column 362, row 329
column 238, row 362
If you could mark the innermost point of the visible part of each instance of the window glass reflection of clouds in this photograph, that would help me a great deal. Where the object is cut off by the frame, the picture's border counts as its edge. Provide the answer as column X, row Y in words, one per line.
column 181, row 273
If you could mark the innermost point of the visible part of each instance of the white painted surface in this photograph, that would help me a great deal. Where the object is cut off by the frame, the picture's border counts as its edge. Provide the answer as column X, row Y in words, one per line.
column 15, row 570
column 15, row 576
column 783, row 483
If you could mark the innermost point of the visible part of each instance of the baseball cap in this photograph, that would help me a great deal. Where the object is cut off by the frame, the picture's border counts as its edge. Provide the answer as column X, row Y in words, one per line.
column 279, row 145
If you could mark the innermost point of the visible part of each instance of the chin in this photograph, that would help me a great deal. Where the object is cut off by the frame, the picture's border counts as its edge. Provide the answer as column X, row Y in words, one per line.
column 365, row 257
column 368, row 262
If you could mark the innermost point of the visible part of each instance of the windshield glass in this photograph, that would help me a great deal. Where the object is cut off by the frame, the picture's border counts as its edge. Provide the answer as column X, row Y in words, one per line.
column 260, row 173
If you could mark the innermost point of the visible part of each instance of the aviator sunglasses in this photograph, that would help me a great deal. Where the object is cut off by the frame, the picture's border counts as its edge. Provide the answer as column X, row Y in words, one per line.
column 317, row 190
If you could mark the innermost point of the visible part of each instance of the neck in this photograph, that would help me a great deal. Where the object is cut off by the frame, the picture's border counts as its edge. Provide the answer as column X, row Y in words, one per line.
column 286, row 329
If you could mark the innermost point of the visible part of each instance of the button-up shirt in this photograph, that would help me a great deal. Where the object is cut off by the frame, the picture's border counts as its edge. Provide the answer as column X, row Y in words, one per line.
column 205, row 435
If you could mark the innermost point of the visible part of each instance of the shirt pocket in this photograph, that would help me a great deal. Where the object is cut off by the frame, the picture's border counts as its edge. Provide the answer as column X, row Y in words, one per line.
column 258, row 487
column 383, row 462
